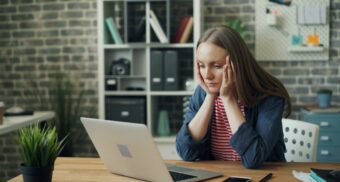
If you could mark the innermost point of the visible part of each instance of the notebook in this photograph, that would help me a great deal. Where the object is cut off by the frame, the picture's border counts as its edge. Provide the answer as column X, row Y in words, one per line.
column 128, row 149
column 325, row 175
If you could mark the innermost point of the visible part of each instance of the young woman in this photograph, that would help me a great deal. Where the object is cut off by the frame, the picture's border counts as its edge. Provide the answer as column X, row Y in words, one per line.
column 235, row 113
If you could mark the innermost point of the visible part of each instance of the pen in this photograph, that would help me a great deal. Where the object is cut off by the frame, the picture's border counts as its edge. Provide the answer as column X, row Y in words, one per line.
column 266, row 178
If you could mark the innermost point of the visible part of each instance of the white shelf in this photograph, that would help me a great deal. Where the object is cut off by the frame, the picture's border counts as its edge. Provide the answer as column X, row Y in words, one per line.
column 153, row 93
column 124, row 46
column 125, row 76
column 301, row 49
column 143, row 0
column 139, row 54
column 125, row 93
column 159, row 45
column 170, row 93
column 143, row 45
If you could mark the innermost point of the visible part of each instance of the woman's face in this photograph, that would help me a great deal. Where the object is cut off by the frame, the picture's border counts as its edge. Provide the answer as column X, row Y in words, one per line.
column 211, row 59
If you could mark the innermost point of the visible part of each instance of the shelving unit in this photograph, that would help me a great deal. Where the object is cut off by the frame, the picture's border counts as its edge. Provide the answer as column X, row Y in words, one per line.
column 305, row 49
column 136, row 86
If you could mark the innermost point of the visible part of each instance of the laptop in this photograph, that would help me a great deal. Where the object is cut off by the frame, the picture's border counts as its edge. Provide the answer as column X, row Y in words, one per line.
column 128, row 149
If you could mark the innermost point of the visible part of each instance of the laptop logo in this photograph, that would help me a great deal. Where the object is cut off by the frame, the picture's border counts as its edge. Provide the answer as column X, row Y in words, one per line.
column 124, row 150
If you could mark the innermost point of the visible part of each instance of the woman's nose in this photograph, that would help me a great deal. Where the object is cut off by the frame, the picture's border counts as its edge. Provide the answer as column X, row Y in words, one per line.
column 208, row 74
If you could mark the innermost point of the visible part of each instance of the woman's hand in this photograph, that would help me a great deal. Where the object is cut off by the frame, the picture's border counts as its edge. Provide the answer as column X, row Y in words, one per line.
column 227, row 90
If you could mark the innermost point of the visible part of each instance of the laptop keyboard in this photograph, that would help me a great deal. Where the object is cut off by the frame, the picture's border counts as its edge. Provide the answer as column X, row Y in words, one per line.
column 180, row 176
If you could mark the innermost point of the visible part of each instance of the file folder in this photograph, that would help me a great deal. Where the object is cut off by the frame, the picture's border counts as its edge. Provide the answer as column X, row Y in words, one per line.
column 156, row 69
column 171, row 70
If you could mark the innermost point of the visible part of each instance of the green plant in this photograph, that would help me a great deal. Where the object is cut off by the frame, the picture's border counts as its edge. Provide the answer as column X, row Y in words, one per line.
column 65, row 100
column 236, row 24
column 39, row 147
column 324, row 91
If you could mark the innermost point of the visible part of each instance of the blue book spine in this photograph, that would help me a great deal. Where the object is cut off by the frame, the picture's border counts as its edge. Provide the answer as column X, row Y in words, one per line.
column 113, row 31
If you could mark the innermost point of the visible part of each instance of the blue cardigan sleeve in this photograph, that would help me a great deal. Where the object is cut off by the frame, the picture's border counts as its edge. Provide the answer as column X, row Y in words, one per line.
column 187, row 148
column 254, row 140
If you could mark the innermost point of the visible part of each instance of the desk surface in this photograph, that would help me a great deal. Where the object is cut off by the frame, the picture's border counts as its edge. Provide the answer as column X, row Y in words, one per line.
column 92, row 169
column 12, row 123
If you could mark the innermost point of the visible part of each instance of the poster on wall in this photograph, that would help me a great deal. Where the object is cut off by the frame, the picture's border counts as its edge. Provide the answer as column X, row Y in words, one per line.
column 292, row 30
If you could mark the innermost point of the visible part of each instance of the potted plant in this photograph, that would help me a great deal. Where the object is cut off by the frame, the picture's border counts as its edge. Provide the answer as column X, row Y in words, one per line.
column 39, row 148
column 324, row 97
column 66, row 101
column 237, row 25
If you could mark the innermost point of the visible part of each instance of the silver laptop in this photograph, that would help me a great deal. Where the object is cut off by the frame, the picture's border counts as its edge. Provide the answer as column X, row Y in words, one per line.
column 128, row 149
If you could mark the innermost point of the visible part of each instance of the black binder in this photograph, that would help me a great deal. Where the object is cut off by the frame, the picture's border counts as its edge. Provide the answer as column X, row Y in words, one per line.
column 171, row 70
column 156, row 69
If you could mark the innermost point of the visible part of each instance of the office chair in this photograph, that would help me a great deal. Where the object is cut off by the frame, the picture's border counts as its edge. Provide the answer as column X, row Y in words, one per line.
column 301, row 139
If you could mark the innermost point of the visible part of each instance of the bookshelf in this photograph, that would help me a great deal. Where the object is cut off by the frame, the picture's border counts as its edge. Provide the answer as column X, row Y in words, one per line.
column 138, row 47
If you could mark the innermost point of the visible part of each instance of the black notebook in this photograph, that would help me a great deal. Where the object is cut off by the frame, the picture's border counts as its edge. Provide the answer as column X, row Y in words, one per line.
column 324, row 175
column 23, row 113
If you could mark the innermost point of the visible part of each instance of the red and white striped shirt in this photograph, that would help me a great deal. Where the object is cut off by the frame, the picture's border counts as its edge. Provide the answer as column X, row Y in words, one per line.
column 221, row 134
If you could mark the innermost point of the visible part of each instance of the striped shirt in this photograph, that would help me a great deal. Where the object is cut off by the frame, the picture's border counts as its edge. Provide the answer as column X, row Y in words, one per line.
column 221, row 134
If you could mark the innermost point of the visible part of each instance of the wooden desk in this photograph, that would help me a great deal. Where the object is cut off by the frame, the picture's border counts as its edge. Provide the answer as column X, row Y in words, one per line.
column 92, row 169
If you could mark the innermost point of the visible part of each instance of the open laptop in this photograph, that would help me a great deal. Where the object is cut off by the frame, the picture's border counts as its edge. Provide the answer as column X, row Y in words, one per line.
column 128, row 149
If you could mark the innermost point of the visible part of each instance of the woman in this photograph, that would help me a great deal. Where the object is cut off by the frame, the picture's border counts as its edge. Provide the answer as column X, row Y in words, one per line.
column 235, row 113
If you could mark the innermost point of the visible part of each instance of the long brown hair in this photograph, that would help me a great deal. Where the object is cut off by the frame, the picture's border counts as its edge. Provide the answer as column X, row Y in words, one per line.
column 253, row 83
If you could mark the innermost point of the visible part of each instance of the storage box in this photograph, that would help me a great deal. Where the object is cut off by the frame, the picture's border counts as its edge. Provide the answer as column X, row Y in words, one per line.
column 129, row 109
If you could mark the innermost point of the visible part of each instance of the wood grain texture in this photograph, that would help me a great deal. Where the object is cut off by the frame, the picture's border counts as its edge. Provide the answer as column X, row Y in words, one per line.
column 92, row 169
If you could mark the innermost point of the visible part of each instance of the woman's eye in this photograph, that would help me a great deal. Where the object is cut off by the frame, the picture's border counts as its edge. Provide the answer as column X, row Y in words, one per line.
column 201, row 65
column 217, row 66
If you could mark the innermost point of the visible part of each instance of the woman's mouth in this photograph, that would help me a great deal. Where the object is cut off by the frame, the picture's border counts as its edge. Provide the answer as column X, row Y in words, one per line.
column 211, row 84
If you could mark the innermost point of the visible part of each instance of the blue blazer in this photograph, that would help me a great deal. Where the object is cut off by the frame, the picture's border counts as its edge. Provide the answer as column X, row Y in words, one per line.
column 257, row 140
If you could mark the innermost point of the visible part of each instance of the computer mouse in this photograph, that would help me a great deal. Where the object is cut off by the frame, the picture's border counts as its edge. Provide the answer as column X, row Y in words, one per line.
column 335, row 174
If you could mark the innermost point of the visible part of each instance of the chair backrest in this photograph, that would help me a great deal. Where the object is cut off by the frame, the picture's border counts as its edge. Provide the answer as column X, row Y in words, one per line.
column 301, row 139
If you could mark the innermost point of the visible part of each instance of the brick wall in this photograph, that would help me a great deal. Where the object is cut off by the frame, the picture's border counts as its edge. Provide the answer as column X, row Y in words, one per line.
column 41, row 37
column 9, row 156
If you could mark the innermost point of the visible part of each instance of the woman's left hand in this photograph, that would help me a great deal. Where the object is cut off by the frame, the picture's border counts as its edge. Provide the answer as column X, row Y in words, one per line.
column 227, row 89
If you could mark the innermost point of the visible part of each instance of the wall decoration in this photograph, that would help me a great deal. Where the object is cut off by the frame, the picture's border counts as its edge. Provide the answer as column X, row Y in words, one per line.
column 298, row 30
